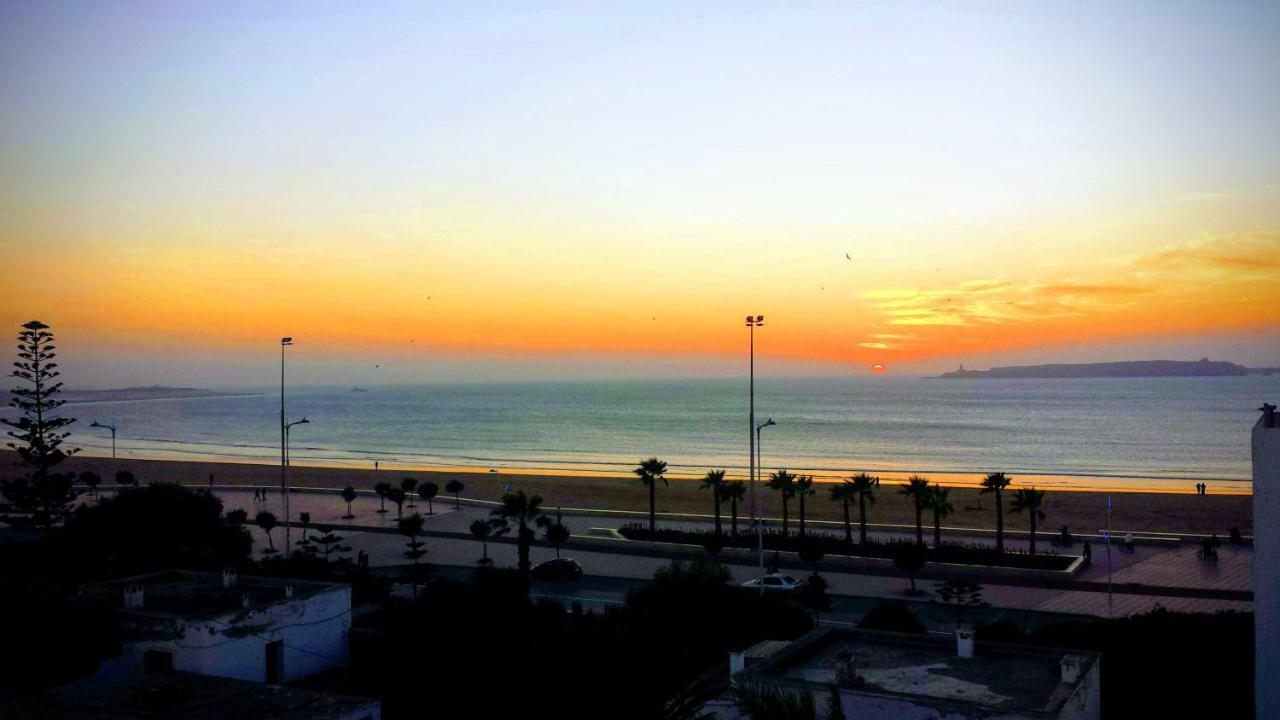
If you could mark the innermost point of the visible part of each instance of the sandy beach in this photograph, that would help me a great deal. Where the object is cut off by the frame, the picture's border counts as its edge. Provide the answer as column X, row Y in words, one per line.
column 1082, row 511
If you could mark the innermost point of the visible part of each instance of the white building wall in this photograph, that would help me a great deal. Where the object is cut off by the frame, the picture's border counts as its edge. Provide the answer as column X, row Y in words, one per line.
column 313, row 628
column 1266, row 568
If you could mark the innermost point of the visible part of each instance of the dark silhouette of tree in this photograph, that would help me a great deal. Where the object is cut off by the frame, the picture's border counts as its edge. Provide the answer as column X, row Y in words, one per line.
column 995, row 483
column 124, row 478
column 649, row 473
column 481, row 530
column 523, row 511
column 329, row 543
column 428, row 491
column 1032, row 501
column 784, row 483
column 304, row 542
column 909, row 558
column 408, row 485
column 557, row 534
column 348, row 496
column 761, row 700
column 893, row 616
column 918, row 491
column 91, row 480
column 941, row 506
column 804, row 487
column 42, row 496
column 814, row 595
column 714, row 481
column 411, row 527
column 864, row 489
column 455, row 487
column 835, row 710
column 842, row 492
column 266, row 521
column 734, row 491
column 382, row 489
column 397, row 497
column 237, row 516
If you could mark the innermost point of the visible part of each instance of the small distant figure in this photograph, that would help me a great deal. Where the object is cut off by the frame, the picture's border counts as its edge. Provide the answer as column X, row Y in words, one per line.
column 375, row 465
column 210, row 481
column 506, row 488
column 257, row 494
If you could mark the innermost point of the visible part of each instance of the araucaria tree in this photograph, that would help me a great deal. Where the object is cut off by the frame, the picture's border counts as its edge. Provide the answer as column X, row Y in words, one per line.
column 1031, row 500
column 996, row 483
column 784, row 483
column 734, row 491
column 650, row 472
column 42, row 496
column 714, row 481
column 523, row 511
column 411, row 527
column 918, row 490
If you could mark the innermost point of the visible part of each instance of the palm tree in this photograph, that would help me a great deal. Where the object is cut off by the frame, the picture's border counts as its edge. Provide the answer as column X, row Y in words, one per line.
column 455, row 487
column 348, row 495
column 804, row 486
column 714, row 481
column 785, row 483
column 383, row 489
column 408, row 485
column 481, row 530
column 917, row 488
column 523, row 510
column 428, row 491
column 734, row 491
column 1031, row 500
column 864, row 488
column 266, row 521
column 996, row 483
column 650, row 472
column 941, row 508
column 557, row 534
column 842, row 492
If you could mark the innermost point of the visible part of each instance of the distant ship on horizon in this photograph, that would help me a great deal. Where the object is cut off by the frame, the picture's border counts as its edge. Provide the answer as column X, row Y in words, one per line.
column 358, row 389
column 1204, row 367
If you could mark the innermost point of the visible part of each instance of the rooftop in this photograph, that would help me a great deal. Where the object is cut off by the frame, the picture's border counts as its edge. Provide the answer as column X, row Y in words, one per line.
column 188, row 594
column 1009, row 678
column 201, row 697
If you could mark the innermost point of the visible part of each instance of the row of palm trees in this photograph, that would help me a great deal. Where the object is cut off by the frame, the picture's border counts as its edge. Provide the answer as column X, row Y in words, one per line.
column 858, row 490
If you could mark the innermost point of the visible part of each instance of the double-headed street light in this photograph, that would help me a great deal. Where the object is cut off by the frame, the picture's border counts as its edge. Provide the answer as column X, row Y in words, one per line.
column 112, row 428
column 753, row 322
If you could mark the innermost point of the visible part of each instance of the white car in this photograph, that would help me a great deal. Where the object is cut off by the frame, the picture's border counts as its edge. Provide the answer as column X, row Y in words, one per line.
column 774, row 581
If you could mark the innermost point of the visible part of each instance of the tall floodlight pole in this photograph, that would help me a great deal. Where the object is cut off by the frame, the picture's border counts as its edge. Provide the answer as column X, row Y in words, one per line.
column 760, row 470
column 284, row 445
column 112, row 428
column 753, row 321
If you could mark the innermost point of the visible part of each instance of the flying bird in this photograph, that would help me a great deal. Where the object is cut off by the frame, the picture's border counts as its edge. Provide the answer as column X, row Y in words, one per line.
column 846, row 256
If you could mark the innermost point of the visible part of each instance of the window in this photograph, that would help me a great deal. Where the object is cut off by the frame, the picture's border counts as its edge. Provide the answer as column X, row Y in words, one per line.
column 275, row 662
column 157, row 661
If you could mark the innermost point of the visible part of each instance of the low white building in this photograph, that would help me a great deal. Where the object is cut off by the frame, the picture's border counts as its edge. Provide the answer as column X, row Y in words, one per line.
column 1266, row 562
column 270, row 630
column 897, row 676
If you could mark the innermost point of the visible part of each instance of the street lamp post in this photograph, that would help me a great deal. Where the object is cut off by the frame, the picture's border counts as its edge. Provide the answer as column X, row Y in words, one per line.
column 112, row 428
column 284, row 442
column 287, row 428
column 760, row 526
column 753, row 322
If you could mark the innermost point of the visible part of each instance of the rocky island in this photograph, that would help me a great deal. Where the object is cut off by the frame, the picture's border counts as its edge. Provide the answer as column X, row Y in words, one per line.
column 1127, row 369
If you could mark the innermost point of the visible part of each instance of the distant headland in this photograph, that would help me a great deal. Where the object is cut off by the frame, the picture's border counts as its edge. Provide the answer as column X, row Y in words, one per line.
column 1127, row 369
column 151, row 392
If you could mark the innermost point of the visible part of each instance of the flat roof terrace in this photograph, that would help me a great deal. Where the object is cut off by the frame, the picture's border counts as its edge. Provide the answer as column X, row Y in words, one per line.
column 187, row 594
column 1008, row 678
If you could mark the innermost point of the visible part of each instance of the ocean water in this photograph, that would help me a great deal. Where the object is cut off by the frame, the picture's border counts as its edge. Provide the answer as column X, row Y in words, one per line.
column 1090, row 433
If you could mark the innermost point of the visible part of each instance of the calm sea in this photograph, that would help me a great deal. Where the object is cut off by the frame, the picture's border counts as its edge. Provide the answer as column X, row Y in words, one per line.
column 1166, row 432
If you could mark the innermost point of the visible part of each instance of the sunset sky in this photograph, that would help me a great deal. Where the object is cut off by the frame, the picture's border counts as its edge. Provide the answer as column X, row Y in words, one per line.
column 474, row 190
